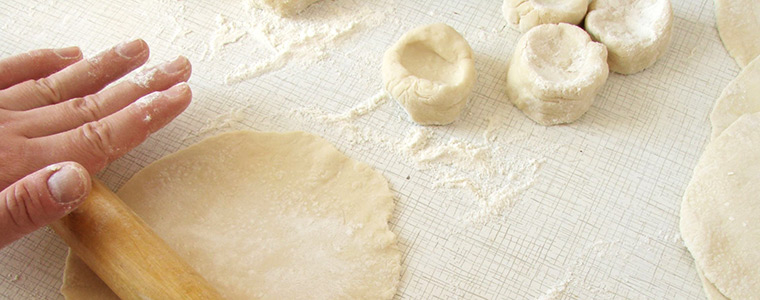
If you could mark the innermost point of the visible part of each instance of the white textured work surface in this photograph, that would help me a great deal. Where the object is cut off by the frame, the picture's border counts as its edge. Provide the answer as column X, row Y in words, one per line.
column 589, row 210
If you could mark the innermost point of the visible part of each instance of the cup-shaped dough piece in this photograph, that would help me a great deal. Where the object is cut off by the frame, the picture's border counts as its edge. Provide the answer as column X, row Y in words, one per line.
column 636, row 32
column 430, row 72
column 555, row 72
column 526, row 14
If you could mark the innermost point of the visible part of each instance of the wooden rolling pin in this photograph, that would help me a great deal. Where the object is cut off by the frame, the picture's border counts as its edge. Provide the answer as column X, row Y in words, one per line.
column 125, row 253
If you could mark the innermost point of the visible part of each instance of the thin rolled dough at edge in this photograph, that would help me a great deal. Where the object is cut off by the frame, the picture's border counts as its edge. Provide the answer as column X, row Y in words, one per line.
column 740, row 96
column 713, row 236
column 738, row 29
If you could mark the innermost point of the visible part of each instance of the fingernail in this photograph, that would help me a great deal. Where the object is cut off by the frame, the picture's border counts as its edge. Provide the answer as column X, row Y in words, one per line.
column 130, row 49
column 68, row 53
column 67, row 185
column 176, row 91
column 177, row 65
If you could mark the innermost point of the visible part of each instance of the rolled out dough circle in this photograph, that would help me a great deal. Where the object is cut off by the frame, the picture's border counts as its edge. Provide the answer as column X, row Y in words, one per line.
column 738, row 22
column 266, row 215
column 720, row 209
column 741, row 96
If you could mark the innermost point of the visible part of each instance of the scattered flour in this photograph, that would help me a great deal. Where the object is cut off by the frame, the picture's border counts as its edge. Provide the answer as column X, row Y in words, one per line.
column 145, row 77
column 307, row 37
column 54, row 168
column 487, row 173
column 148, row 99
column 360, row 110
column 227, row 32
column 558, row 290
column 223, row 122
column 495, row 178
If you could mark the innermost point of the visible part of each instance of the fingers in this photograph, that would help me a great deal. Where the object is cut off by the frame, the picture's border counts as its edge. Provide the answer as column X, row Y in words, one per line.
column 97, row 143
column 36, row 64
column 78, row 80
column 71, row 114
column 41, row 198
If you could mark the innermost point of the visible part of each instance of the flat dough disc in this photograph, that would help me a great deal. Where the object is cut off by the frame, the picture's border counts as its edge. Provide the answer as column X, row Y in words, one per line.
column 741, row 96
column 738, row 23
column 710, row 290
column 266, row 215
column 720, row 209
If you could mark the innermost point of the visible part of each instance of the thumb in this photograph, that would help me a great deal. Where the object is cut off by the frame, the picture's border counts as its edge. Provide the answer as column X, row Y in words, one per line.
column 40, row 198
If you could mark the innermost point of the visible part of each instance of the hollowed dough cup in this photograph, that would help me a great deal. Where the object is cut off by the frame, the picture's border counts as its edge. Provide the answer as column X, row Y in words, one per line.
column 555, row 73
column 430, row 72
column 636, row 32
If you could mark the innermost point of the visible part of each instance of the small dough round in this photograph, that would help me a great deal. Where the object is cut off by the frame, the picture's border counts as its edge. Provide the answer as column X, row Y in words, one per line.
column 266, row 215
column 430, row 72
column 555, row 72
column 739, row 28
column 720, row 208
column 636, row 32
column 741, row 96
column 526, row 14
column 283, row 8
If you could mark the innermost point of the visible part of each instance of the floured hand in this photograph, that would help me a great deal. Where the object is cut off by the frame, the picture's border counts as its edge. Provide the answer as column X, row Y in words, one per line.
column 58, row 124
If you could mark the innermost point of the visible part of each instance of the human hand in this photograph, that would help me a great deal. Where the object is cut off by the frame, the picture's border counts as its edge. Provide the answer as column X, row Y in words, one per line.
column 58, row 125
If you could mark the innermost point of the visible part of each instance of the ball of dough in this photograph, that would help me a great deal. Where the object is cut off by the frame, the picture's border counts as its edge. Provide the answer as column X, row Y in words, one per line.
column 526, row 14
column 636, row 32
column 738, row 22
column 555, row 72
column 430, row 72
column 284, row 8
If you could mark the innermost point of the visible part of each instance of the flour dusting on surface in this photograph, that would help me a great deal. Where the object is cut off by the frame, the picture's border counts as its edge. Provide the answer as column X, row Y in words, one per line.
column 487, row 173
column 495, row 178
column 558, row 290
column 227, row 32
column 360, row 110
column 307, row 37
column 222, row 122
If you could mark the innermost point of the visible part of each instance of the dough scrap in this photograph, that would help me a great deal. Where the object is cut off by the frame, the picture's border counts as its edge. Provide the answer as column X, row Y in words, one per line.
column 720, row 208
column 283, row 8
column 738, row 22
column 526, row 14
column 430, row 72
column 266, row 215
column 636, row 32
column 555, row 72
column 741, row 96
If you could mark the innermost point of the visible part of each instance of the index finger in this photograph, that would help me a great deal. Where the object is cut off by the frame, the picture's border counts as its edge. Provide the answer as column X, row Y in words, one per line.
column 78, row 80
